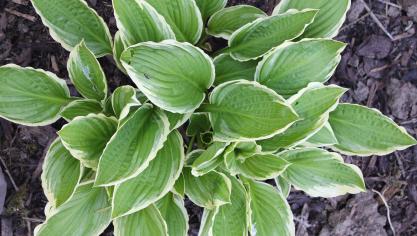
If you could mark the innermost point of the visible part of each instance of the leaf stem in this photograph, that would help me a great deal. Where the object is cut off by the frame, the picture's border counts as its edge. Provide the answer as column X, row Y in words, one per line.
column 190, row 144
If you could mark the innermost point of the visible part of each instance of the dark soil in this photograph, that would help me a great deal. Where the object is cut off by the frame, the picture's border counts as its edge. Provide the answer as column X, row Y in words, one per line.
column 381, row 73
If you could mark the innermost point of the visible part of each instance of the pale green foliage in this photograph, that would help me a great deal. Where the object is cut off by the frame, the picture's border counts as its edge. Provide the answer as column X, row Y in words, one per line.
column 209, row 126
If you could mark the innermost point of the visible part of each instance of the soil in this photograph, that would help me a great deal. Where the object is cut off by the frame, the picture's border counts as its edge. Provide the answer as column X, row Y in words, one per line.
column 379, row 68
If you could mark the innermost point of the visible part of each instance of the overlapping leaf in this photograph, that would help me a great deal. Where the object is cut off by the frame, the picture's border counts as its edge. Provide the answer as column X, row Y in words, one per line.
column 174, row 213
column 138, row 22
column 363, row 131
column 30, row 96
column 209, row 159
column 292, row 66
column 243, row 111
column 60, row 174
column 173, row 75
column 71, row 21
column 329, row 19
column 122, row 99
column 87, row 212
column 209, row 7
column 323, row 138
column 133, row 146
column 148, row 221
column 283, row 185
column 270, row 212
column 184, row 17
column 226, row 21
column 176, row 120
column 255, row 39
column 118, row 48
column 313, row 105
column 154, row 182
column 86, row 74
column 228, row 69
column 81, row 107
column 321, row 174
column 85, row 137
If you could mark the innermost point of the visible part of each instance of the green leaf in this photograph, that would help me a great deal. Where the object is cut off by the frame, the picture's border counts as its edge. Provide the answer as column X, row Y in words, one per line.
column 133, row 147
column 232, row 219
column 71, row 21
column 179, row 187
column 85, row 137
column 207, row 221
column 174, row 213
column 313, row 105
column 199, row 123
column 228, row 69
column 210, row 190
column 363, row 131
column 242, row 150
column 154, row 182
column 258, row 166
column 118, row 48
column 87, row 212
column 323, row 138
column 258, row 37
column 81, row 107
column 176, row 120
column 328, row 21
column 209, row 7
column 148, row 221
column 271, row 214
column 226, row 21
column 86, row 74
column 60, row 174
column 139, row 22
column 184, row 17
column 173, row 75
column 245, row 111
column 209, row 159
column 292, row 66
column 283, row 185
column 320, row 173
column 122, row 99
column 30, row 96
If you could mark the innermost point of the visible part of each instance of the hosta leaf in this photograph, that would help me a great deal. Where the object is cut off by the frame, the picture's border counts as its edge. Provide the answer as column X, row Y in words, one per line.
column 271, row 214
column 173, row 75
column 320, row 173
column 313, row 105
column 122, row 99
column 139, row 22
column 174, row 213
column 329, row 19
column 30, row 96
column 148, row 221
column 226, row 21
column 255, row 39
column 118, row 48
column 228, row 69
column 134, row 145
column 85, row 137
column 184, row 17
column 323, row 138
column 209, row 159
column 283, row 185
column 179, row 187
column 241, row 150
column 292, row 66
column 208, row 7
column 258, row 166
column 87, row 212
column 232, row 219
column 60, row 174
column 81, row 107
column 71, row 21
column 199, row 123
column 244, row 111
column 363, row 131
column 209, row 191
column 176, row 120
column 86, row 74
column 207, row 221
column 154, row 182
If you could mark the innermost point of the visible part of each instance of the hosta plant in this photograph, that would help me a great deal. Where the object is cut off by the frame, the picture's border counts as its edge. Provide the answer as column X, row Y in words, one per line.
column 207, row 124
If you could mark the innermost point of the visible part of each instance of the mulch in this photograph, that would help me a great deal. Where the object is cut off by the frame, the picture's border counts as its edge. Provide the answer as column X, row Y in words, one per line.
column 379, row 67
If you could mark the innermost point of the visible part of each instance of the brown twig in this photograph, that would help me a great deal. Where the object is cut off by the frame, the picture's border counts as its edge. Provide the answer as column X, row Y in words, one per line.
column 6, row 170
column 19, row 14
column 388, row 211
column 377, row 21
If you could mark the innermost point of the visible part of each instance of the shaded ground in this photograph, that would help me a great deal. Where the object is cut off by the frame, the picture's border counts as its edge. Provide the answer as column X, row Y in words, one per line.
column 380, row 72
